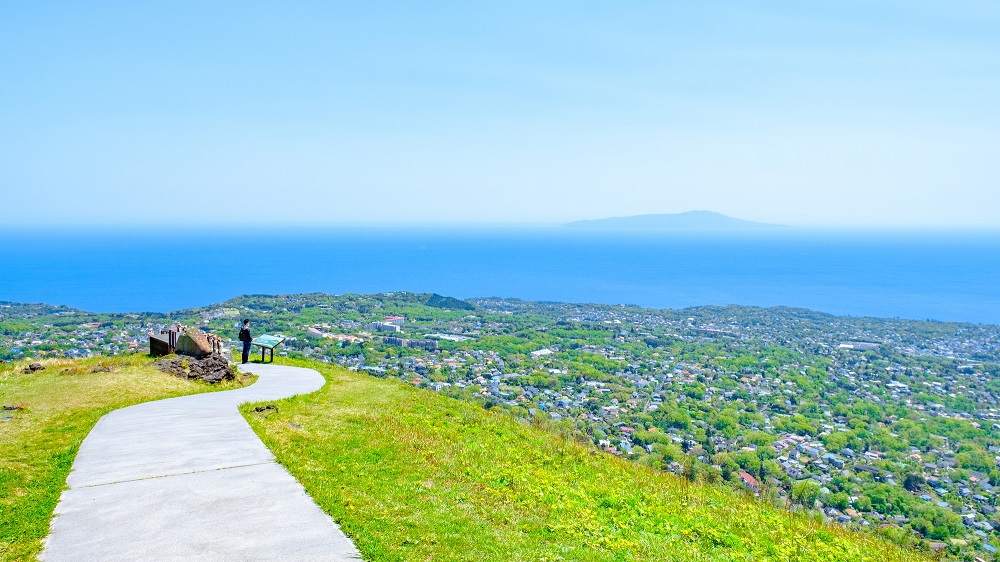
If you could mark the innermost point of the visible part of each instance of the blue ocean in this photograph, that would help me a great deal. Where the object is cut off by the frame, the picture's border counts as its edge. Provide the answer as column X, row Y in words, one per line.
column 919, row 275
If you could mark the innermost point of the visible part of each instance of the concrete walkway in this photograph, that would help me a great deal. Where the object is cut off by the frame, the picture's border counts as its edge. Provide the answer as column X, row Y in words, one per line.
column 187, row 479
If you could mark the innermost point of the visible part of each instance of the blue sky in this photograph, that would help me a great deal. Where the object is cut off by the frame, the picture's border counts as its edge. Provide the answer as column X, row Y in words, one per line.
column 867, row 113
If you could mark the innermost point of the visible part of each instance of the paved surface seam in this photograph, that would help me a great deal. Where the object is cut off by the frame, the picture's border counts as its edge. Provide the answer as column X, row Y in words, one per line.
column 172, row 474
column 187, row 479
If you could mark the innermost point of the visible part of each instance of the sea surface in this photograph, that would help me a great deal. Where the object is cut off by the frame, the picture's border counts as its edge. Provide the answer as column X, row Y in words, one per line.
column 918, row 275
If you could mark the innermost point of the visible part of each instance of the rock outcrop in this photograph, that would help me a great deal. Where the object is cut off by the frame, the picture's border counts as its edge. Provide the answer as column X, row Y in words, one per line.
column 213, row 368
column 193, row 343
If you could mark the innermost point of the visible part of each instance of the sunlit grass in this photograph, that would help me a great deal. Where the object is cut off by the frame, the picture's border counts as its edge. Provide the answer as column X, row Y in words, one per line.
column 38, row 443
column 412, row 475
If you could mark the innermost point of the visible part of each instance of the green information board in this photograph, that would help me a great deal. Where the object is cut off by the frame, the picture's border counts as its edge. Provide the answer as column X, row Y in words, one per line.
column 267, row 343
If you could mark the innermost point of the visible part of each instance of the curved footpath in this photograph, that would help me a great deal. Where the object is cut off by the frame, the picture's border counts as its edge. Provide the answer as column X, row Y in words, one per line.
column 187, row 479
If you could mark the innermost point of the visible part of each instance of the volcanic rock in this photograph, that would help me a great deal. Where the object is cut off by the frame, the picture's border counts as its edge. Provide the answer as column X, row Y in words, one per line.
column 213, row 368
column 194, row 343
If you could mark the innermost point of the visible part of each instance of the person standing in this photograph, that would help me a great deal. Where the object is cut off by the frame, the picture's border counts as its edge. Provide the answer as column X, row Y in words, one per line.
column 246, row 338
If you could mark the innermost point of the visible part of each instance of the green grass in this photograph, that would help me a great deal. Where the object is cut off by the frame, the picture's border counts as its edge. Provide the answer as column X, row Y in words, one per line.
column 412, row 475
column 38, row 444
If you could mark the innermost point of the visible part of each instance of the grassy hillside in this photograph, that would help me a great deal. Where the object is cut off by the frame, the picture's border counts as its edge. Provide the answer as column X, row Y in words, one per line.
column 412, row 475
column 38, row 443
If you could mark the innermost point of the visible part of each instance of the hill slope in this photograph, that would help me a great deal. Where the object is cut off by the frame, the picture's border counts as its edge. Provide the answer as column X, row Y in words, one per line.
column 691, row 220
column 413, row 475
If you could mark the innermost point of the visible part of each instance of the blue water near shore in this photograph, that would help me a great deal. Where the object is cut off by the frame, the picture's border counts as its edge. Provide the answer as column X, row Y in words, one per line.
column 941, row 276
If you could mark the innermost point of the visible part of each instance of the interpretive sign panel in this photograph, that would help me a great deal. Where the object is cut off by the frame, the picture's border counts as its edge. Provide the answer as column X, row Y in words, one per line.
column 265, row 343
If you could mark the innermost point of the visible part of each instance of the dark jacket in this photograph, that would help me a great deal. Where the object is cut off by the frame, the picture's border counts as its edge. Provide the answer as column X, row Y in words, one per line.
column 245, row 336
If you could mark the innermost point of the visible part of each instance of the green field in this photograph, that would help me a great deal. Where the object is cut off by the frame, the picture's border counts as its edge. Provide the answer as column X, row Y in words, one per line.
column 412, row 475
column 38, row 443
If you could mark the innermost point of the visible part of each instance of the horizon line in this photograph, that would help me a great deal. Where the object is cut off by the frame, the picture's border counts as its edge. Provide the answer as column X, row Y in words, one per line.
column 481, row 225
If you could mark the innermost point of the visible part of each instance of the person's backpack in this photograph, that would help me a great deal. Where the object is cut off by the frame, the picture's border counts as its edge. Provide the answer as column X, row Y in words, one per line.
column 244, row 335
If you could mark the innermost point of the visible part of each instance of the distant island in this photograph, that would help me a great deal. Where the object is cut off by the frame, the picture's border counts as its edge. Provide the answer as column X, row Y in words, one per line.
column 691, row 220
